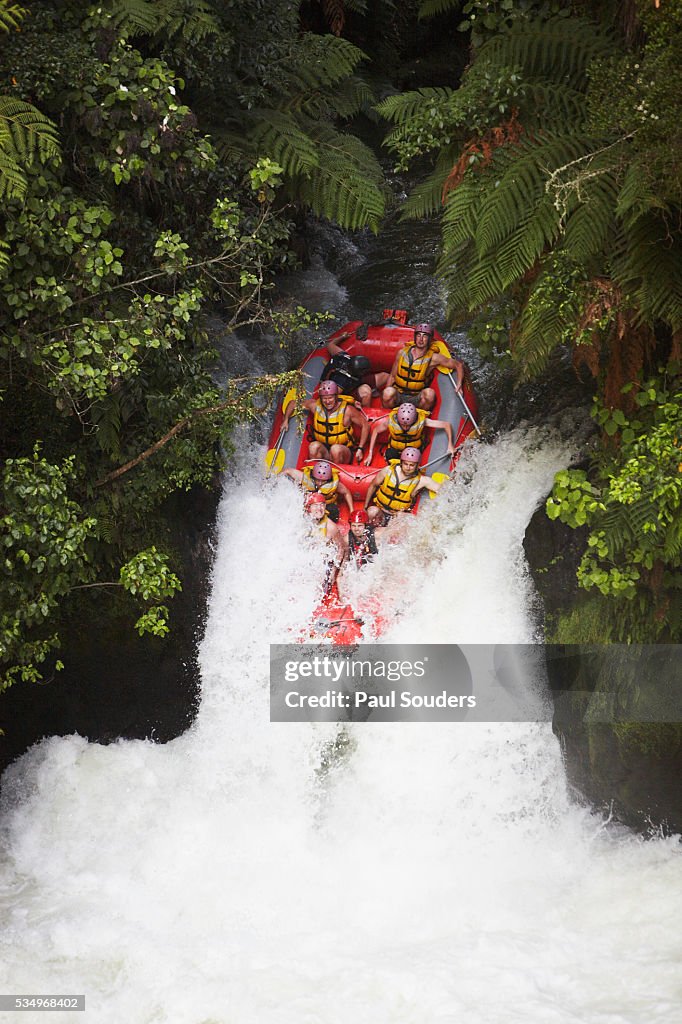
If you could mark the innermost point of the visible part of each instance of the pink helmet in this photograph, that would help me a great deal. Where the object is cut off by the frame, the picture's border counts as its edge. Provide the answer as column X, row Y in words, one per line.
column 314, row 499
column 329, row 387
column 322, row 471
column 359, row 516
column 424, row 329
column 412, row 455
column 406, row 415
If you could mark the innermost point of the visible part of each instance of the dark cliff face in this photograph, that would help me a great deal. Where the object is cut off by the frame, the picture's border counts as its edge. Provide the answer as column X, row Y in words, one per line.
column 629, row 764
column 116, row 684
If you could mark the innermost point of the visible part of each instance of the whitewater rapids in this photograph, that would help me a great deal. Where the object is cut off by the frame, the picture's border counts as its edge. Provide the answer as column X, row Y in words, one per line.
column 253, row 873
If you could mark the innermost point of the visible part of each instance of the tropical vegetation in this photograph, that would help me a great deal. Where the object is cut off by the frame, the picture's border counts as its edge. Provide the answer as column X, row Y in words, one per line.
column 157, row 158
column 556, row 175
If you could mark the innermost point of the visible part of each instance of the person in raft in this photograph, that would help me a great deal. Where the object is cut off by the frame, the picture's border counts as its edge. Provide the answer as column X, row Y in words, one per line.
column 331, row 432
column 323, row 478
column 362, row 543
column 352, row 373
column 406, row 428
column 395, row 488
column 322, row 526
column 413, row 369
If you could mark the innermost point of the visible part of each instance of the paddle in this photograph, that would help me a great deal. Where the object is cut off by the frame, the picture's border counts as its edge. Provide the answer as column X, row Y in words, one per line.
column 466, row 407
column 275, row 458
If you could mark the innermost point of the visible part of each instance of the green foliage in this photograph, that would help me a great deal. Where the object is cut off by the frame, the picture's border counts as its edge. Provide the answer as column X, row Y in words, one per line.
column 26, row 137
column 485, row 18
column 43, row 533
column 113, row 257
column 148, row 577
column 558, row 185
column 11, row 15
column 325, row 168
column 193, row 19
column 632, row 504
column 293, row 325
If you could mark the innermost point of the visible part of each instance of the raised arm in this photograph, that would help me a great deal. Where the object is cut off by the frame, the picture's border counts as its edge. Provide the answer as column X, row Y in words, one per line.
column 380, row 427
column 447, row 427
column 333, row 347
column 360, row 421
column 345, row 493
column 308, row 404
column 449, row 363
column 428, row 484
column 374, row 486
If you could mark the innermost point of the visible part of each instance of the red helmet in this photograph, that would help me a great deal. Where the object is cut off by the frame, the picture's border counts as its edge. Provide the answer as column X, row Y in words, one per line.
column 359, row 516
column 314, row 499
column 424, row 329
column 406, row 415
column 412, row 455
column 322, row 471
column 329, row 387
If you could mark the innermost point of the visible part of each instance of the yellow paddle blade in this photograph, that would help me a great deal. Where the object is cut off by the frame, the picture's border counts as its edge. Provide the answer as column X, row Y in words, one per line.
column 289, row 397
column 439, row 478
column 442, row 350
column 275, row 463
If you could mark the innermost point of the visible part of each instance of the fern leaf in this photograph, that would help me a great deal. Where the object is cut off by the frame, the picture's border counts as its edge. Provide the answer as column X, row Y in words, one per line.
column 10, row 16
column 647, row 263
column 637, row 194
column 404, row 106
column 346, row 186
column 558, row 50
column 195, row 20
column 427, row 197
column 25, row 135
column 279, row 135
column 430, row 8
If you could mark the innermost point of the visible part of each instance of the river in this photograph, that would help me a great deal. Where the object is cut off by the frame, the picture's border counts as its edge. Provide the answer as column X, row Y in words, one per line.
column 254, row 873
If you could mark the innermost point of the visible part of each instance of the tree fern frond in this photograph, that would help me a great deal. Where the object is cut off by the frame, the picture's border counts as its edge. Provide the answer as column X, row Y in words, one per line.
column 553, row 104
column 279, row 135
column 592, row 223
column 4, row 256
column 10, row 15
column 430, row 8
column 402, row 107
column 622, row 524
column 427, row 197
column 521, row 174
column 557, row 50
column 648, row 264
column 345, row 186
column 637, row 195
column 193, row 20
column 25, row 135
column 547, row 318
column 325, row 60
column 347, row 99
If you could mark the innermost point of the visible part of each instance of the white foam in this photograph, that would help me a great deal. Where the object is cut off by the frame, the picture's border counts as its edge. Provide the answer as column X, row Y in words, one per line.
column 431, row 873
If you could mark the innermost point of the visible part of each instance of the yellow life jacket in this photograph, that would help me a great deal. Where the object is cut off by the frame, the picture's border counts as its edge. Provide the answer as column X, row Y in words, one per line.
column 320, row 529
column 328, row 427
column 328, row 489
column 413, row 437
column 395, row 495
column 412, row 373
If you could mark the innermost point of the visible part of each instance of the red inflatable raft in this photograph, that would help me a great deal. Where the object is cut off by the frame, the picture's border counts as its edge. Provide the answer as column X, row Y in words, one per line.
column 380, row 343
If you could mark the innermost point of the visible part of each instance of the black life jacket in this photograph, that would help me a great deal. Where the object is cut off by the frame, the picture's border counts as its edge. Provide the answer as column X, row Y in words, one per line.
column 362, row 550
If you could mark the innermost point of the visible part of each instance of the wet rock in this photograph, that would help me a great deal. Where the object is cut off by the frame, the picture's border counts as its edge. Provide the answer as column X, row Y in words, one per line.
column 116, row 684
column 615, row 706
